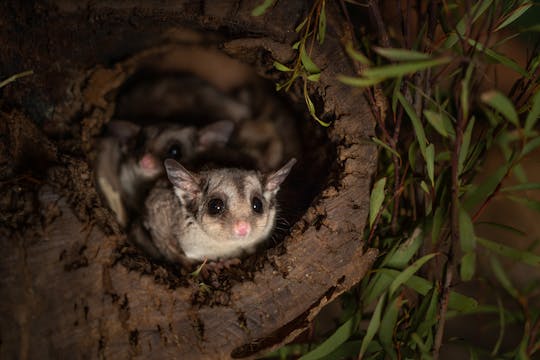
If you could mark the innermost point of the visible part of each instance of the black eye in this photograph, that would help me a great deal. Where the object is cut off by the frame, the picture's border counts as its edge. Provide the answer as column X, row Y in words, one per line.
column 216, row 207
column 175, row 151
column 257, row 205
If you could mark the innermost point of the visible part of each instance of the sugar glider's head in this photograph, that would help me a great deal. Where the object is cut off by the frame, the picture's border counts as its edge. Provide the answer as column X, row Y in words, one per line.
column 230, row 205
column 145, row 148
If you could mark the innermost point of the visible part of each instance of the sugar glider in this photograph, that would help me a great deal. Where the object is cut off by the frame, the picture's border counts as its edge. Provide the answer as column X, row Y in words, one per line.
column 130, row 157
column 213, row 214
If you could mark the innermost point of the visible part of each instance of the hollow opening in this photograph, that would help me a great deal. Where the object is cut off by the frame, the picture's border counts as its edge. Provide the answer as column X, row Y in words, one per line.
column 197, row 87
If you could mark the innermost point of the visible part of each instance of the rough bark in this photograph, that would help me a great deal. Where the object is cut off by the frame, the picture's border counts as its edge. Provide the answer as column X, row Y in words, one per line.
column 67, row 288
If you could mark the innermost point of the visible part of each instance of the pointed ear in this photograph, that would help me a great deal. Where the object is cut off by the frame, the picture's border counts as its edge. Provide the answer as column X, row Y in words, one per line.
column 216, row 134
column 186, row 184
column 123, row 130
column 274, row 180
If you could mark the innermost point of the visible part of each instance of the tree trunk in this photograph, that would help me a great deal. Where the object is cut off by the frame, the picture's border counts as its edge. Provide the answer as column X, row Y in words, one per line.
column 70, row 285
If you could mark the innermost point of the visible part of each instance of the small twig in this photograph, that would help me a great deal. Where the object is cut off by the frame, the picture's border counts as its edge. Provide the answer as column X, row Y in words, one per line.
column 375, row 11
column 454, row 236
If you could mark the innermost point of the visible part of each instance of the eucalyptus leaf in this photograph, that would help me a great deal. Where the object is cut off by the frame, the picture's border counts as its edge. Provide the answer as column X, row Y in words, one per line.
column 464, row 149
column 534, row 113
column 373, row 326
column 279, row 66
column 385, row 146
column 12, row 78
column 417, row 124
column 523, row 256
column 355, row 54
column 395, row 70
column 528, row 202
column 376, row 200
column 468, row 265
column 397, row 54
column 406, row 274
column 466, row 232
column 322, row 25
column 262, row 8
column 502, row 104
column 358, row 81
column 501, row 275
column 514, row 15
column 521, row 187
column 388, row 324
column 436, row 120
column 309, row 65
column 430, row 163
column 422, row 286
column 334, row 341
column 511, row 64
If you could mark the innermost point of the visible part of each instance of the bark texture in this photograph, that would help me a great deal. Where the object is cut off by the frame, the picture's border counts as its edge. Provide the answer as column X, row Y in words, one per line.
column 67, row 288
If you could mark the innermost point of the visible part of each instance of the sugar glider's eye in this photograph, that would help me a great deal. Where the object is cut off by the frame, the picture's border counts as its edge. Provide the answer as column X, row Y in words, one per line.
column 174, row 151
column 216, row 206
column 257, row 205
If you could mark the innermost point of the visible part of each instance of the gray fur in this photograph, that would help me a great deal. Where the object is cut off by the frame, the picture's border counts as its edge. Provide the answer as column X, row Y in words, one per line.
column 180, row 226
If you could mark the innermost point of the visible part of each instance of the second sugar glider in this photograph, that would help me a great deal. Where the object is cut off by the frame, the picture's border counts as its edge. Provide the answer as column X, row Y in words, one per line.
column 214, row 214
column 131, row 156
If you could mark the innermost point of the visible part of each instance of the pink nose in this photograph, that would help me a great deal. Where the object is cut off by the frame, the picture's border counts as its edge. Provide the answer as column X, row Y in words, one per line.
column 241, row 228
column 148, row 162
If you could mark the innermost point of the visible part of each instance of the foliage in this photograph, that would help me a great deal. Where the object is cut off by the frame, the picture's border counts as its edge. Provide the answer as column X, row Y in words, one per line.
column 444, row 114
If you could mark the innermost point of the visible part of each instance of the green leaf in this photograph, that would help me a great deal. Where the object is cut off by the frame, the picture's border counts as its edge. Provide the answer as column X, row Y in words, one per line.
column 388, row 324
column 466, row 232
column 464, row 95
column 309, row 65
column 372, row 327
column 514, row 15
column 430, row 315
column 301, row 25
column 334, row 341
column 422, row 286
column 385, row 146
column 502, row 325
column 322, row 25
column 261, row 9
column 530, row 203
column 468, row 265
column 314, row 77
column 401, row 54
column 395, row 70
column 424, row 349
column 477, row 10
column 500, row 274
column 348, row 350
column 358, row 81
column 376, row 200
column 355, row 54
column 530, row 146
column 311, row 107
column 464, row 150
column 430, row 163
column 481, row 193
column 438, row 222
column 12, row 78
column 279, row 66
column 502, row 104
column 534, row 114
column 399, row 258
column 522, row 187
column 417, row 124
column 377, row 285
column 511, row 64
column 406, row 274
column 510, row 252
column 436, row 120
